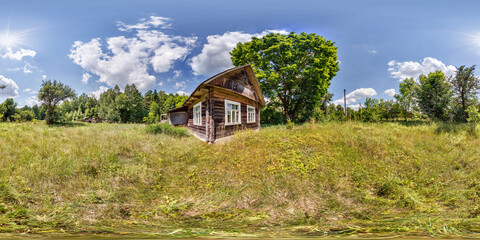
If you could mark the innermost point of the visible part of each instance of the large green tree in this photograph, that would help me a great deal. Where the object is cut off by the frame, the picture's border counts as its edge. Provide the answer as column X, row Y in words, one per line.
column 295, row 68
column 9, row 108
column 434, row 95
column 406, row 96
column 465, row 87
column 51, row 94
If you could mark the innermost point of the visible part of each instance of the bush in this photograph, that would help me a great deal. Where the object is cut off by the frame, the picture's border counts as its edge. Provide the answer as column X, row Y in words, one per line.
column 290, row 124
column 165, row 128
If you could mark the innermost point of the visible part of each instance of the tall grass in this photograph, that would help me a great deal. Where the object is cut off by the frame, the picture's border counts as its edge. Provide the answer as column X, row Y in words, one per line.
column 332, row 177
column 167, row 129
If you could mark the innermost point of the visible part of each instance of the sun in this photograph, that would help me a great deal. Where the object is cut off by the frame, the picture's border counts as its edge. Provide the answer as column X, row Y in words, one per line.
column 9, row 39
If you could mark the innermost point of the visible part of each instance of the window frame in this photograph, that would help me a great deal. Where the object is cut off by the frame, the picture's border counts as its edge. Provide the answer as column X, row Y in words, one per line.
column 199, row 121
column 239, row 113
column 253, row 120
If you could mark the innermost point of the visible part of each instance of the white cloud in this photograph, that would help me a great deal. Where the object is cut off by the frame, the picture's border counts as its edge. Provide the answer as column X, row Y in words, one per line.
column 390, row 92
column 180, row 85
column 215, row 56
column 85, row 78
column 128, row 60
column 354, row 107
column 177, row 74
column 357, row 95
column 28, row 68
column 44, row 77
column 153, row 21
column 14, row 69
column 32, row 100
column 11, row 88
column 409, row 69
column 96, row 94
column 182, row 93
column 18, row 55
column 160, row 84
column 373, row 51
column 27, row 90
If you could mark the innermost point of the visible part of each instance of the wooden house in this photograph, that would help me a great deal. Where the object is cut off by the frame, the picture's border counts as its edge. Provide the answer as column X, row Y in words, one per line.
column 221, row 105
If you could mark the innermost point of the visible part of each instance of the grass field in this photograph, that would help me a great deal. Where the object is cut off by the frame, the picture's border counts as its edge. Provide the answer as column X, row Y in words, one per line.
column 335, row 178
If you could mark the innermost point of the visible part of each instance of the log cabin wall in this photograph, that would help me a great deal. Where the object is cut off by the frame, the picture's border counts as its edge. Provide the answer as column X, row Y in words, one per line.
column 218, row 104
column 199, row 131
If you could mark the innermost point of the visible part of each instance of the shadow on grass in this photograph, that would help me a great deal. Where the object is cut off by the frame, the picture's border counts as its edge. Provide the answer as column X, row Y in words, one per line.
column 412, row 123
column 68, row 124
column 456, row 128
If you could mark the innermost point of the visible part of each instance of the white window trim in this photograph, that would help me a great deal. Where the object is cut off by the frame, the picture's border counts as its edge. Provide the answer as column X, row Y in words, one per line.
column 239, row 112
column 254, row 114
column 200, row 111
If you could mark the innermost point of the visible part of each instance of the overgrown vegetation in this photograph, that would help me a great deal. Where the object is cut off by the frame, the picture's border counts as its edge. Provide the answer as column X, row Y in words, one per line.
column 326, row 178
column 166, row 128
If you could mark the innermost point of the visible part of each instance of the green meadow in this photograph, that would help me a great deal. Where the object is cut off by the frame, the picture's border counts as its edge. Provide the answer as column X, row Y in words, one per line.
column 314, row 179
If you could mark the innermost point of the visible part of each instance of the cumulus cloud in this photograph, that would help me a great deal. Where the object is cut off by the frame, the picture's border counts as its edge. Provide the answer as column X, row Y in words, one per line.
column 160, row 84
column 354, row 107
column 30, row 91
column 153, row 21
column 390, row 92
column 409, row 69
column 127, row 60
column 357, row 95
column 85, row 78
column 19, row 55
column 373, row 51
column 32, row 100
column 215, row 55
column 96, row 94
column 11, row 88
column 182, row 93
column 44, row 77
column 180, row 85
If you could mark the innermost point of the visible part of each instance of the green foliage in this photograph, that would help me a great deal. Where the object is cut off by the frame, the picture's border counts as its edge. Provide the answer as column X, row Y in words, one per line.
column 465, row 86
column 295, row 68
column 51, row 94
column 8, row 110
column 473, row 118
column 290, row 124
column 165, row 128
column 406, row 97
column 434, row 95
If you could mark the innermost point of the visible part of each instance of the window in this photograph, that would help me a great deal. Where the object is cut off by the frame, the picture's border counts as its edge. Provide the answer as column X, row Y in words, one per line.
column 232, row 113
column 250, row 114
column 197, row 114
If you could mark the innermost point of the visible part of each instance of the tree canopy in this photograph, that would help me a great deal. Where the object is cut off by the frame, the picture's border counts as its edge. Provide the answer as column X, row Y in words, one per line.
column 465, row 86
column 295, row 68
column 51, row 94
column 434, row 95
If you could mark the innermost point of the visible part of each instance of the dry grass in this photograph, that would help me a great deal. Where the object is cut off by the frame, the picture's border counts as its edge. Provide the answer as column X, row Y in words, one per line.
column 333, row 177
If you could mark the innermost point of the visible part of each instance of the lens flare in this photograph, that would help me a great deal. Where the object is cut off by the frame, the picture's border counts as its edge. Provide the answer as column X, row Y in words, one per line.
column 9, row 39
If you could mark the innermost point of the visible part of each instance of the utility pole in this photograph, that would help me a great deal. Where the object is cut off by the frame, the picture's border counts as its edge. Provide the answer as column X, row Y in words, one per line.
column 345, row 102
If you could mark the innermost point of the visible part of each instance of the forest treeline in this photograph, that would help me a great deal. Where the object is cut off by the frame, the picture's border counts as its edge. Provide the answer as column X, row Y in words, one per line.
column 129, row 106
column 433, row 96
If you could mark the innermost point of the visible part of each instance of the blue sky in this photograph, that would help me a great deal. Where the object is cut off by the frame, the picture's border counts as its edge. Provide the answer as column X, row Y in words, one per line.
column 174, row 45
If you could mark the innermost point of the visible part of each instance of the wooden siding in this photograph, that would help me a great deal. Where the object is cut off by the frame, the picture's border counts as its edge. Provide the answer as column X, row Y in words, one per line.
column 221, row 130
column 198, row 130
column 238, row 82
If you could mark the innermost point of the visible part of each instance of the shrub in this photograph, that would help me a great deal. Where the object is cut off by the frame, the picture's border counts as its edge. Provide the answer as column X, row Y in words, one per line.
column 165, row 128
column 290, row 124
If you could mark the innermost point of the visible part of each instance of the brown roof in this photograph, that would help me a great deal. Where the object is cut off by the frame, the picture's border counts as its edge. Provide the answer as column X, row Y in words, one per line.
column 197, row 91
